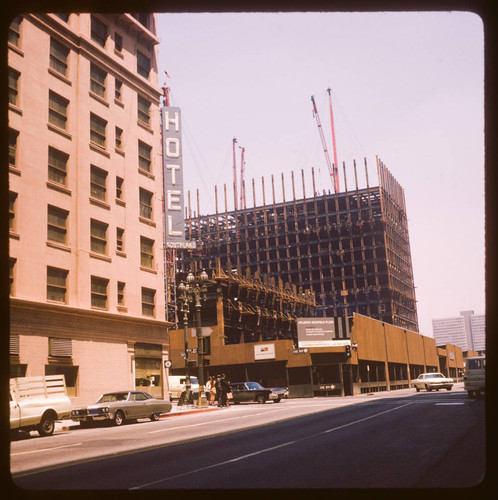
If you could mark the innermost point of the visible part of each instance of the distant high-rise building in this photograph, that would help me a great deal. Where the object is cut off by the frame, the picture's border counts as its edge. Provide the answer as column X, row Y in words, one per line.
column 467, row 331
column 85, row 192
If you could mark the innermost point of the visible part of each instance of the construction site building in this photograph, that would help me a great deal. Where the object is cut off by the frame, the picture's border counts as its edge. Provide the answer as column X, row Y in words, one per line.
column 350, row 248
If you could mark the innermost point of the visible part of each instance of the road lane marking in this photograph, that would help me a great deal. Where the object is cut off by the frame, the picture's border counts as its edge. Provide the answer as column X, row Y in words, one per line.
column 236, row 459
column 44, row 449
column 449, row 404
column 363, row 419
column 243, row 457
column 211, row 422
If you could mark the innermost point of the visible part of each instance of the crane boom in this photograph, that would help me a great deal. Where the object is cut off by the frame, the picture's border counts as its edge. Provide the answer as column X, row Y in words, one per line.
column 332, row 170
column 336, row 173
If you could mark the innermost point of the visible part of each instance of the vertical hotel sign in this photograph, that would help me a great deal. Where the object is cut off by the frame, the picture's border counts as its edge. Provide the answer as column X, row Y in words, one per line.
column 173, row 179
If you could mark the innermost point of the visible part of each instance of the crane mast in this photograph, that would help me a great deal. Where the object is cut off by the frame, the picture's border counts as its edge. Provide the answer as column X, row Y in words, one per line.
column 242, row 165
column 332, row 169
column 336, row 173
column 235, row 174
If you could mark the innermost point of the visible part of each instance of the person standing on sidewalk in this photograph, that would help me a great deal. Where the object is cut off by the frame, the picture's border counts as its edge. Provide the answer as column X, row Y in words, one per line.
column 219, row 390
column 229, row 394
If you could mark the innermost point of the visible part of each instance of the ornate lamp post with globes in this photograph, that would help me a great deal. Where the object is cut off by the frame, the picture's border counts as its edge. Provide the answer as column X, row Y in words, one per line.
column 194, row 290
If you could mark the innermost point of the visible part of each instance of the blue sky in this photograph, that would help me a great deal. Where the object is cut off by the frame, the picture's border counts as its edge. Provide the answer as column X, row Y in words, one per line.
column 406, row 87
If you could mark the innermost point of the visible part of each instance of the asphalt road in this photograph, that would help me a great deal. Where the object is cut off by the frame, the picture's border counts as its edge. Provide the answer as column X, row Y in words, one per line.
column 402, row 440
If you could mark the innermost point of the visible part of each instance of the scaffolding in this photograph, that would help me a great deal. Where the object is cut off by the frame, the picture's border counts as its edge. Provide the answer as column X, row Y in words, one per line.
column 351, row 249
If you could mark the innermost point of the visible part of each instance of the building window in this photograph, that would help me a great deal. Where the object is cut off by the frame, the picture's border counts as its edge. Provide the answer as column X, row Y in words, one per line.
column 118, row 42
column 148, row 299
column 98, row 78
column 14, row 86
column 98, row 237
column 12, row 210
column 146, row 204
column 13, row 136
column 98, row 181
column 59, row 55
column 118, row 87
column 57, row 165
column 119, row 138
column 57, row 110
column 119, row 239
column 15, row 31
column 142, row 18
column 121, row 293
column 119, row 188
column 97, row 130
column 144, row 156
column 12, row 266
column 99, row 292
column 57, row 225
column 143, row 110
column 56, row 284
column 143, row 64
column 99, row 32
column 146, row 252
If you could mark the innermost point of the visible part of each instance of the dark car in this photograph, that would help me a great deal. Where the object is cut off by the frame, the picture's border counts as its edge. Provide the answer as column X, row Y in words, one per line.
column 251, row 392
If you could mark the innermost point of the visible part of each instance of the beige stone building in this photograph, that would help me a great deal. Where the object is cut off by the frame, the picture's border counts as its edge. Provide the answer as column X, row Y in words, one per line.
column 85, row 192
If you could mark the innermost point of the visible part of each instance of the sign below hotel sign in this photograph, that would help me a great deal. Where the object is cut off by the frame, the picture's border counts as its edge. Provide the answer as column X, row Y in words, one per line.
column 316, row 332
column 173, row 179
column 264, row 351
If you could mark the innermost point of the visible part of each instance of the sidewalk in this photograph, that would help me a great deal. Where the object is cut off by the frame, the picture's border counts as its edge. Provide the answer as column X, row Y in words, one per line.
column 65, row 425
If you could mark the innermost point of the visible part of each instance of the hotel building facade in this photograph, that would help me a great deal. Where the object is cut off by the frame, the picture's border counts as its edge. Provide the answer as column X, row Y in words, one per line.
column 86, row 231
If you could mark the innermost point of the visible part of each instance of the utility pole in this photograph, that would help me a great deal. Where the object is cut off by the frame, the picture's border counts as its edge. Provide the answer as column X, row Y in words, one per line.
column 235, row 174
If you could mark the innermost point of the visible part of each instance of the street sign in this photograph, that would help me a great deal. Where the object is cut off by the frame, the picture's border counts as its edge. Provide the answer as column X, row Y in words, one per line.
column 302, row 350
column 192, row 350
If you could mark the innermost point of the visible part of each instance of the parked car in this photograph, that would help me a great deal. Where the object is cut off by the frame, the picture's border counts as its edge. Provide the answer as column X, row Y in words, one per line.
column 474, row 379
column 280, row 392
column 252, row 392
column 431, row 381
column 37, row 402
column 120, row 406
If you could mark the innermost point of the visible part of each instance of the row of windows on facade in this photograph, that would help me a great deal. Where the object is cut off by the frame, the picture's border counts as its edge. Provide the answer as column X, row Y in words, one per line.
column 58, row 115
column 99, row 33
column 57, row 286
column 57, row 174
column 57, row 232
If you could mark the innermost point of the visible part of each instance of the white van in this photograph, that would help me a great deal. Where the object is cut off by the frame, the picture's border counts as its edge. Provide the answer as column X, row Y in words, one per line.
column 177, row 385
column 474, row 379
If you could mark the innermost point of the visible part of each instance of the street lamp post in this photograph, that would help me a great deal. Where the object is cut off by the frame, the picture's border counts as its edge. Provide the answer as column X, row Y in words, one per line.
column 184, row 298
column 195, row 290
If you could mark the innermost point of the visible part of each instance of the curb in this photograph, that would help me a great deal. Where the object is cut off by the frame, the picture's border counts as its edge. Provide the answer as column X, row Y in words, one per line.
column 187, row 412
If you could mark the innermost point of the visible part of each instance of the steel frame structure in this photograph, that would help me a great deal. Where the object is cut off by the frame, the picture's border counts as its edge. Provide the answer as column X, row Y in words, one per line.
column 351, row 248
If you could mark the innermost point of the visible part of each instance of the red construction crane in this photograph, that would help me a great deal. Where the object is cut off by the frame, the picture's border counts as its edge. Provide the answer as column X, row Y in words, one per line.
column 332, row 169
column 242, row 165
column 235, row 174
column 336, row 171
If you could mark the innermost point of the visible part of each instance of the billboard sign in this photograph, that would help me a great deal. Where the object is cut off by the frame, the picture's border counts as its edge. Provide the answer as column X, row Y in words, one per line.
column 316, row 332
column 173, row 179
column 264, row 351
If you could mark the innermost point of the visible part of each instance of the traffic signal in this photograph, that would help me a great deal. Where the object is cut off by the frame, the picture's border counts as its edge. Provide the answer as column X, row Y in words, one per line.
column 348, row 351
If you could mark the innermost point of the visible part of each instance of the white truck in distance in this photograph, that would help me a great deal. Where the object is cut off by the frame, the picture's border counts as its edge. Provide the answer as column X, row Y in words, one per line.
column 37, row 402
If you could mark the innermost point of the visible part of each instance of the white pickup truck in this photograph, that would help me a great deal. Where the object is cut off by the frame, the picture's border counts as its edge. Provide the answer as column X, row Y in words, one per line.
column 37, row 402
